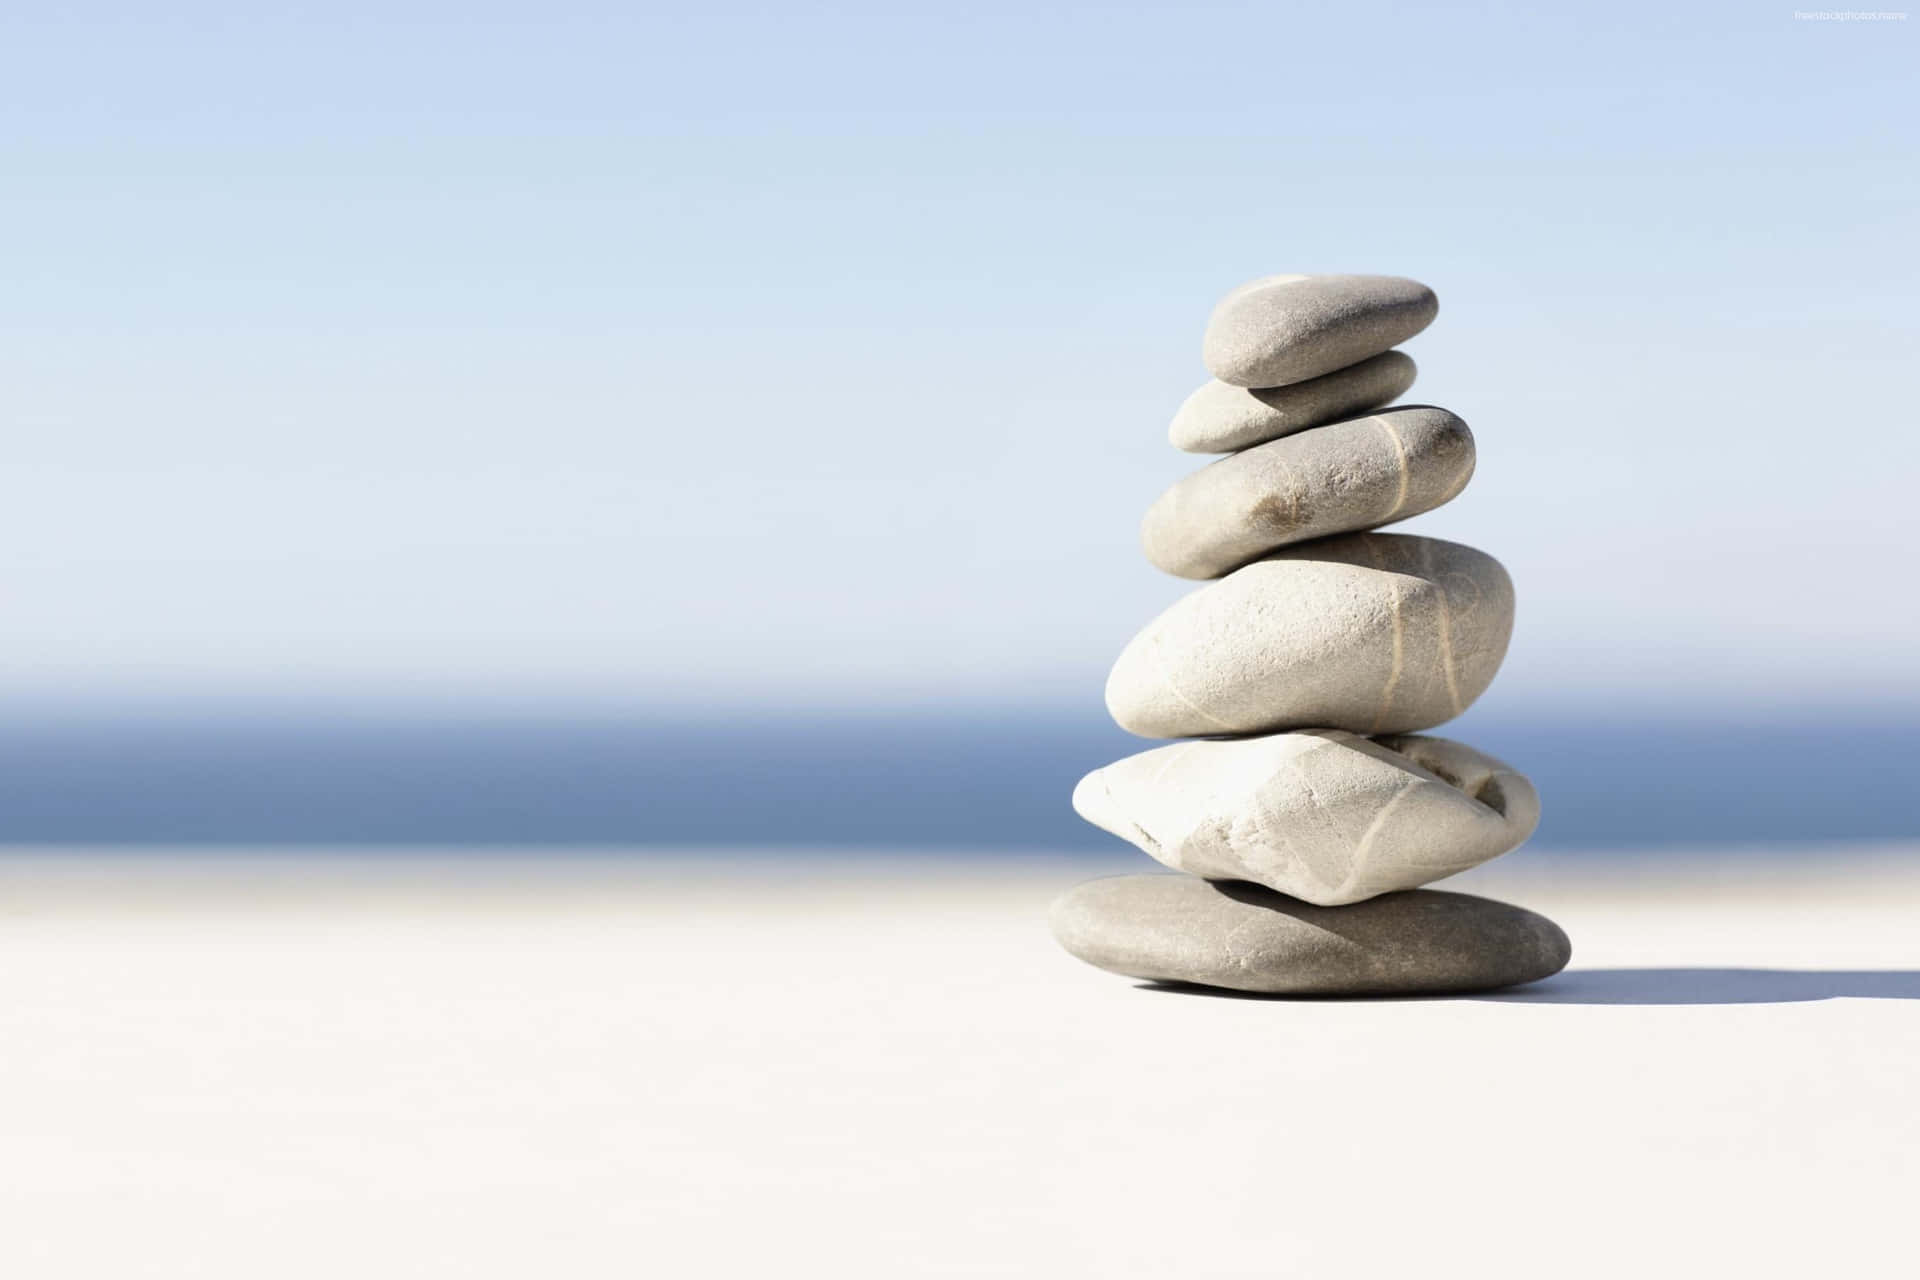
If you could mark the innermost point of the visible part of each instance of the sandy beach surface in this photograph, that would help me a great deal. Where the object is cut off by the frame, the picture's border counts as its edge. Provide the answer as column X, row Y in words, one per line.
column 737, row 1065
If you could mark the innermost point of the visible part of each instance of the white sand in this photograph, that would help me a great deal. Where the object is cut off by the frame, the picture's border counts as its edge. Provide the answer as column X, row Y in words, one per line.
column 710, row 1067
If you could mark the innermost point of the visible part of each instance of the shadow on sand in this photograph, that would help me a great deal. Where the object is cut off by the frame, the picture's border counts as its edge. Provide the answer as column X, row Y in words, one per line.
column 1714, row 986
column 1664, row 986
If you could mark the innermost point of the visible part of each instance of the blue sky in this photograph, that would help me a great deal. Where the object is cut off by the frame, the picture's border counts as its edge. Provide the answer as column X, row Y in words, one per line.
column 744, row 356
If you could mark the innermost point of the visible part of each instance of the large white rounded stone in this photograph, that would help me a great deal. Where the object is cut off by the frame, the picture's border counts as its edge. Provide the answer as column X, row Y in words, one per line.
column 1324, row 816
column 1220, row 417
column 1369, row 632
column 1344, row 476
column 1285, row 329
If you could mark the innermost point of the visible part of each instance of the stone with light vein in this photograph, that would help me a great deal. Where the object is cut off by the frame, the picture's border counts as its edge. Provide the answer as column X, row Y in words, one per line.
column 1368, row 632
column 1345, row 476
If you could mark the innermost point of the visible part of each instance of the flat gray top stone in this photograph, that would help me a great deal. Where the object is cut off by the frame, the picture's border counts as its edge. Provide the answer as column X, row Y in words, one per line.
column 1279, row 330
column 1169, row 928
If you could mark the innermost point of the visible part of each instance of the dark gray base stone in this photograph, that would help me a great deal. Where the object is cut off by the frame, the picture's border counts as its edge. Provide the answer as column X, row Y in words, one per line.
column 1169, row 928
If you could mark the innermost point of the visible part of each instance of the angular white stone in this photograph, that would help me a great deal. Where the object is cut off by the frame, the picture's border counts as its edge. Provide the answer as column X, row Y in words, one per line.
column 1344, row 476
column 1369, row 632
column 1324, row 816
column 1280, row 330
column 1220, row 417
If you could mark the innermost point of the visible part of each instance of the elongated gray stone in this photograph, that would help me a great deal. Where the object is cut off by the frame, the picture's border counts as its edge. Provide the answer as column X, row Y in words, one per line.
column 1279, row 330
column 1369, row 632
column 1357, row 474
column 1324, row 816
column 1220, row 417
column 1245, row 937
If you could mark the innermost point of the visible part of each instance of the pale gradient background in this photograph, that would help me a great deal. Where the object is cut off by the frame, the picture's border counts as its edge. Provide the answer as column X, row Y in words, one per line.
column 689, row 366
column 463, row 440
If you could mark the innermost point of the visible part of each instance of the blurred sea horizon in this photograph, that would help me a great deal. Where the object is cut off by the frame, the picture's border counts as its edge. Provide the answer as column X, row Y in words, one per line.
column 947, row 779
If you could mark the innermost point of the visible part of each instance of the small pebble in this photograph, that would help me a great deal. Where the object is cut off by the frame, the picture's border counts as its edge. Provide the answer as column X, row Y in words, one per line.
column 1220, row 417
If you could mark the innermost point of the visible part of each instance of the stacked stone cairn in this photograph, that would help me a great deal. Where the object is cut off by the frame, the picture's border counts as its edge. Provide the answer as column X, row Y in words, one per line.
column 1306, row 807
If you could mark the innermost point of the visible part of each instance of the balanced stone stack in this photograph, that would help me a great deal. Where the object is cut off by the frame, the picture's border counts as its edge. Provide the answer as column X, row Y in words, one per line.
column 1308, row 807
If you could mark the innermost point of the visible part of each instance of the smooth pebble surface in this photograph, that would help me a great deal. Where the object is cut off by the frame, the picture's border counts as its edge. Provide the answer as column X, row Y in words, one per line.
column 1280, row 330
column 1369, row 632
column 1337, row 478
column 1220, row 417
column 1248, row 938
column 1327, row 817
